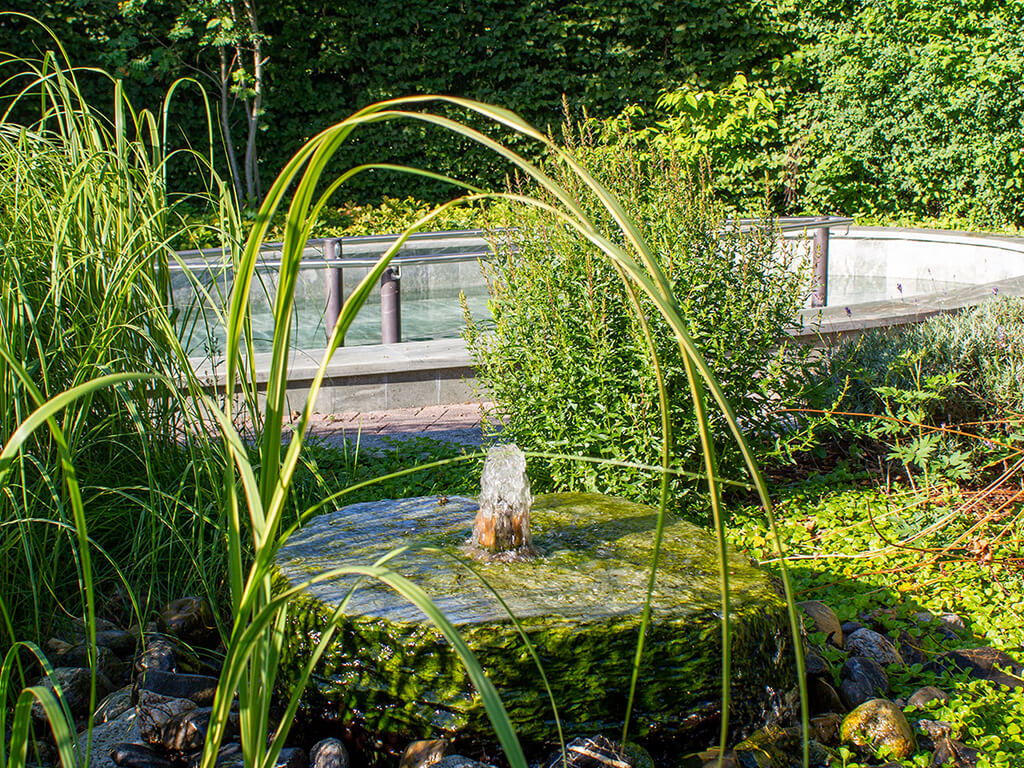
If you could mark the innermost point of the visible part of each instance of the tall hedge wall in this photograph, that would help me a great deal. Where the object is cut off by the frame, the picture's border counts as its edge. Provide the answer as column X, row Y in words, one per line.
column 328, row 58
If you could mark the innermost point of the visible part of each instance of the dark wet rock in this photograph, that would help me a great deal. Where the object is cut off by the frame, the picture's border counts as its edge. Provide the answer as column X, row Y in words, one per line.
column 113, row 705
column 825, row 728
column 138, row 756
column 121, row 642
column 106, row 736
column 292, row 757
column 158, row 655
column 867, row 642
column 419, row 754
column 862, row 679
column 774, row 747
column 823, row 697
column 155, row 710
column 982, row 664
column 950, row 753
column 75, row 684
column 876, row 726
column 187, row 731
column 922, row 696
column 910, row 648
column 108, row 663
column 228, row 756
column 935, row 729
column 825, row 621
column 331, row 753
column 849, row 627
column 190, row 619
column 815, row 666
column 592, row 752
column 458, row 761
column 198, row 688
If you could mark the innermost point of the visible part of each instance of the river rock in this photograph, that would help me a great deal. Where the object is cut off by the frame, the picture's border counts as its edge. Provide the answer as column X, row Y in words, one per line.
column 862, row 679
column 120, row 641
column 950, row 753
column 199, row 688
column 155, row 710
column 108, row 663
column 849, row 627
column 228, row 756
column 867, row 642
column 75, row 683
column 982, row 664
column 158, row 654
column 825, row 728
column 815, row 666
column 935, row 729
column 292, row 757
column 581, row 602
column 879, row 726
column 106, row 736
column 419, row 754
column 190, row 619
column 922, row 696
column 133, row 755
column 186, row 731
column 458, row 761
column 594, row 752
column 114, row 705
column 823, row 697
column 825, row 621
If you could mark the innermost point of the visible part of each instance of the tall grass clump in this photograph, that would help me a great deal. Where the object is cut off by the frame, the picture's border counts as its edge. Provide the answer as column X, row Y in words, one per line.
column 86, row 227
column 247, row 498
column 566, row 360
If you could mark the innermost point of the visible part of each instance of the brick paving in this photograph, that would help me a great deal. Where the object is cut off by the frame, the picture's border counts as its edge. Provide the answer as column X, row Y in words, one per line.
column 458, row 423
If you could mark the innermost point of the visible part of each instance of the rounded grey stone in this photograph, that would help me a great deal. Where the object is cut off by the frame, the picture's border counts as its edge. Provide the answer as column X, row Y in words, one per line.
column 867, row 642
column 329, row 753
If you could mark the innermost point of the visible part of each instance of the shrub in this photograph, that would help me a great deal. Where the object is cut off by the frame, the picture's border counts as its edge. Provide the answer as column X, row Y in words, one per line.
column 566, row 358
column 958, row 372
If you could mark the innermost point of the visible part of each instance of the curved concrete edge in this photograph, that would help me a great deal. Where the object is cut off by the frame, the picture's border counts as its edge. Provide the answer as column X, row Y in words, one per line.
column 440, row 372
column 821, row 326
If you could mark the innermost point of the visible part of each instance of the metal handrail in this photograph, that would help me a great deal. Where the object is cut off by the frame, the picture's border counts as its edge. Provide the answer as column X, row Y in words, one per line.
column 333, row 259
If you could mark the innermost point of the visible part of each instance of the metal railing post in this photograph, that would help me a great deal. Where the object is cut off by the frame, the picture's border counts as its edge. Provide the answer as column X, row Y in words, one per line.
column 819, row 293
column 390, row 306
column 334, row 283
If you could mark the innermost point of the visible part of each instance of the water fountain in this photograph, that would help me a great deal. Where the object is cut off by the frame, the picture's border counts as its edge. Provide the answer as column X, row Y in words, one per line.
column 574, row 569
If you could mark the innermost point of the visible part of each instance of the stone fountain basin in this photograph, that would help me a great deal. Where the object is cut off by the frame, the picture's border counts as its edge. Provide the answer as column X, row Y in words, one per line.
column 388, row 671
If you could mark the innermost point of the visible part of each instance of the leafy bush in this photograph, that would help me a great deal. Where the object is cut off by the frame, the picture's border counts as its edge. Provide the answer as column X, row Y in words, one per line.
column 566, row 359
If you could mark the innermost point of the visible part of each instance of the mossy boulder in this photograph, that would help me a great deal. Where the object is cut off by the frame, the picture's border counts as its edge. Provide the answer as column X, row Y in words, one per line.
column 389, row 671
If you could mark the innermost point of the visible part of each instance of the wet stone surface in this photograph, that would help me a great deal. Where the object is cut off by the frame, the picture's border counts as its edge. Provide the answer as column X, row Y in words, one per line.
column 580, row 599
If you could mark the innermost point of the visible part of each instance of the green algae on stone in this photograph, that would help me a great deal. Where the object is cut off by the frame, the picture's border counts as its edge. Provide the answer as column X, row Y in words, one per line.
column 389, row 671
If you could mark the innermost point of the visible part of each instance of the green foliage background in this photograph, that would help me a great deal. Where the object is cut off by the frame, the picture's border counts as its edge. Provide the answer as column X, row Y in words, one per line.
column 894, row 110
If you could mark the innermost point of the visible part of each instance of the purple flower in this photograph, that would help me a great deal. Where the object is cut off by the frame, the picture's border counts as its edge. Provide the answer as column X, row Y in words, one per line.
column 899, row 287
column 995, row 290
column 849, row 312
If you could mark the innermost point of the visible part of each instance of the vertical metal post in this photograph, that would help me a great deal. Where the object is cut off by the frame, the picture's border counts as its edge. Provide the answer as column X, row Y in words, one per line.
column 390, row 306
column 819, row 293
column 334, row 283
